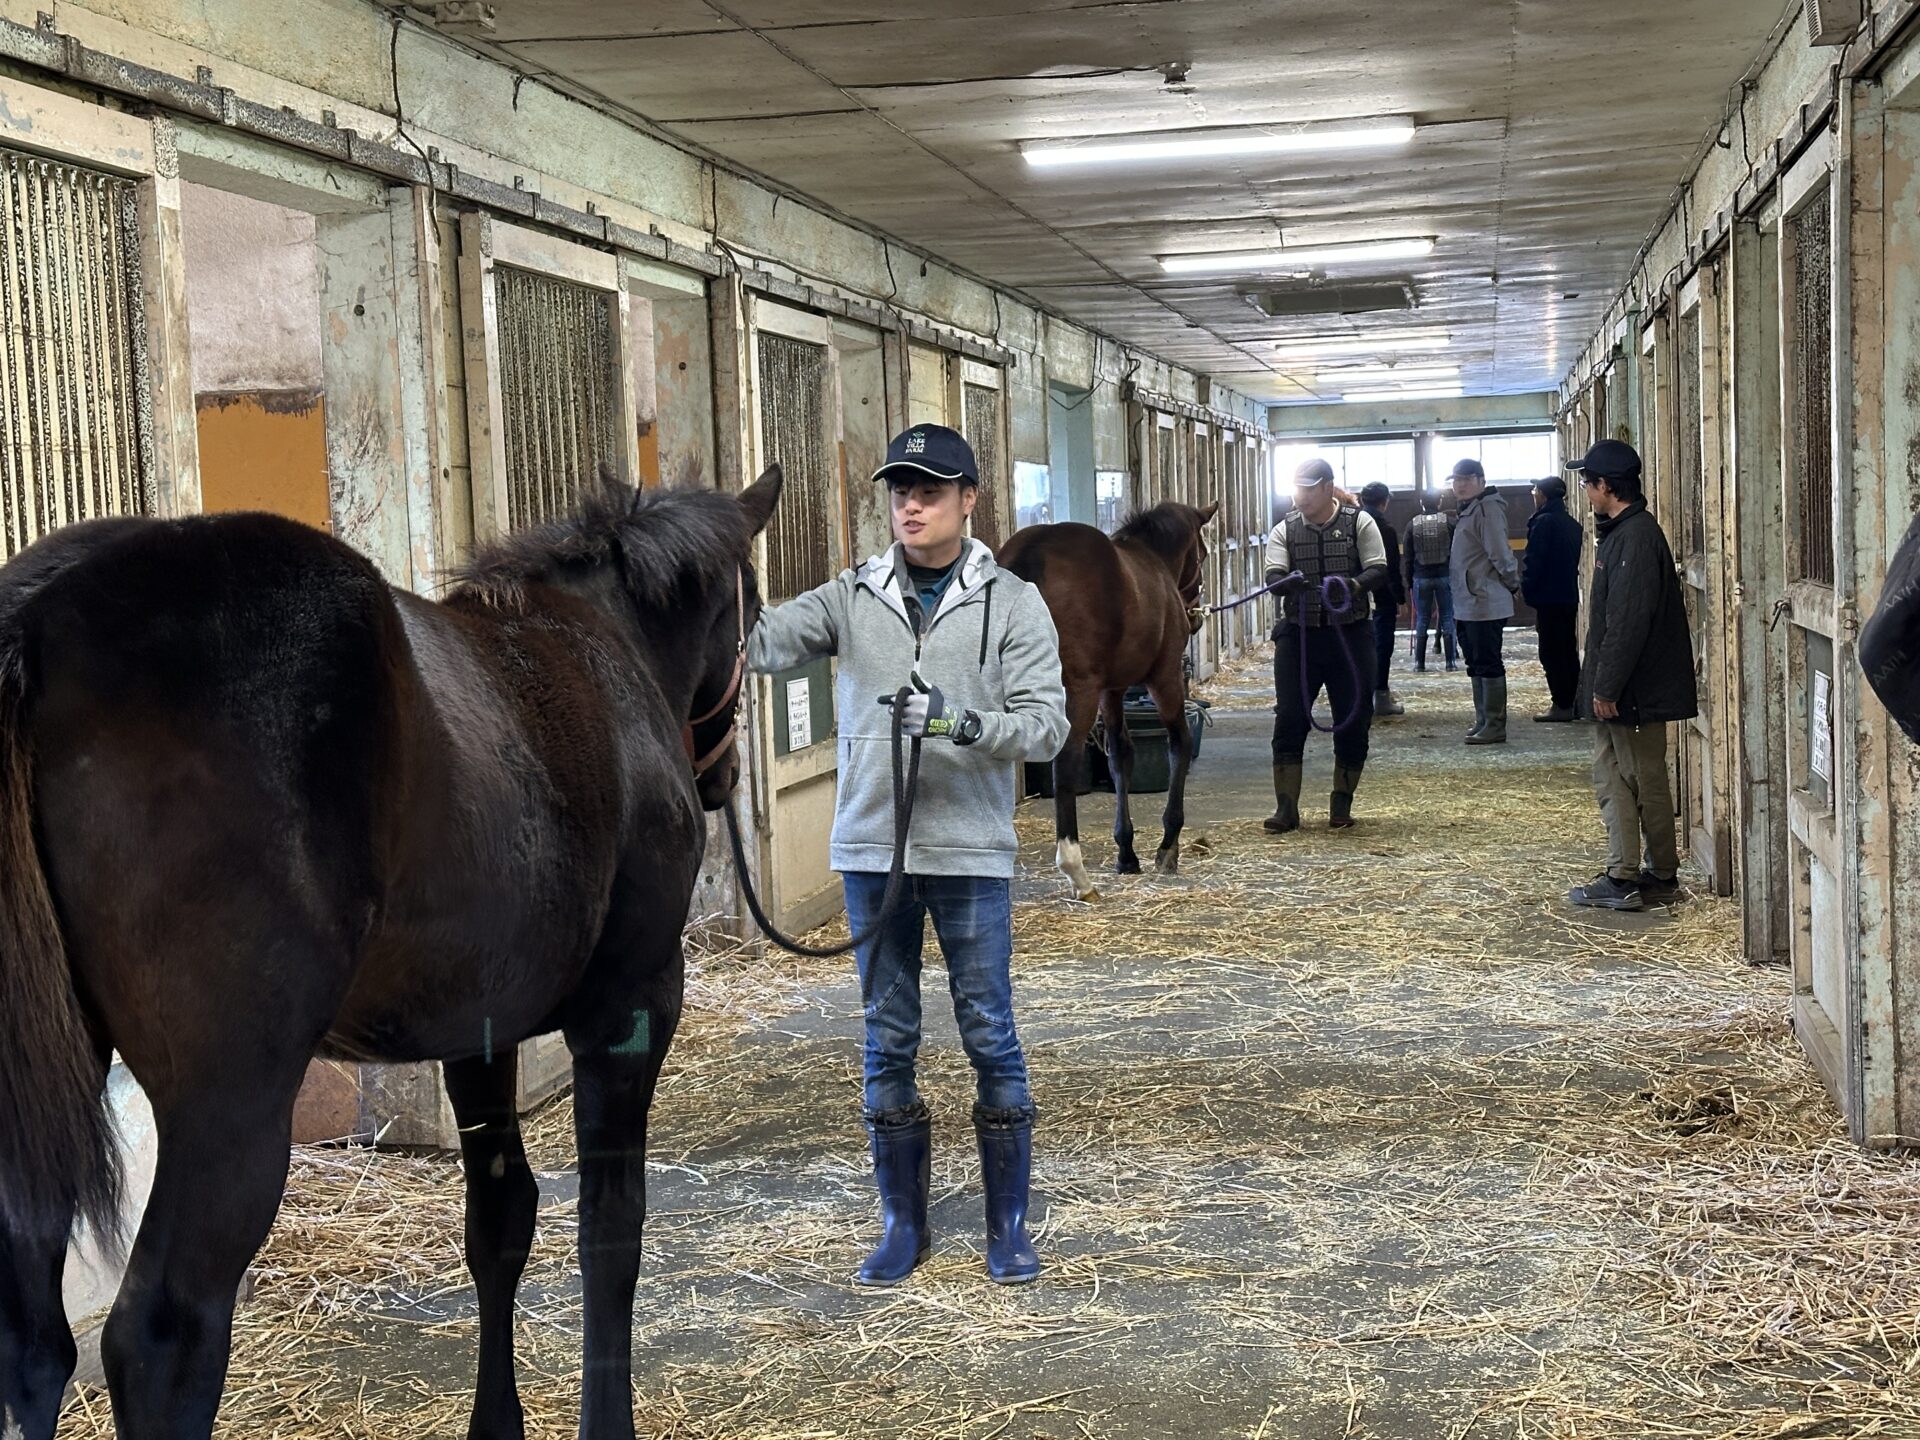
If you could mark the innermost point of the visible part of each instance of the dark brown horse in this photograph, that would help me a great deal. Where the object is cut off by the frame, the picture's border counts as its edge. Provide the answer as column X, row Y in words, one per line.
column 1124, row 608
column 257, row 806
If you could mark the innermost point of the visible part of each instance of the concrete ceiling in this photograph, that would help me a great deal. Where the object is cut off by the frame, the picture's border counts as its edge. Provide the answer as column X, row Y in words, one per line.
column 1552, row 137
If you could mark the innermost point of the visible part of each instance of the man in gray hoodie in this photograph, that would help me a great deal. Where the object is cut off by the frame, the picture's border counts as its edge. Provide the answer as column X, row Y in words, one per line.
column 978, row 646
column 1485, row 577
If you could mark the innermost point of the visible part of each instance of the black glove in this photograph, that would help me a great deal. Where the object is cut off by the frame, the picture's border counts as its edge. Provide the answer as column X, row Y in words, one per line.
column 1291, row 583
column 925, row 713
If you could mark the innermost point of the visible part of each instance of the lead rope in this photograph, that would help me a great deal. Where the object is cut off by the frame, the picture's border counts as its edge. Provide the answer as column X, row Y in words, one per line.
column 906, row 784
column 1343, row 607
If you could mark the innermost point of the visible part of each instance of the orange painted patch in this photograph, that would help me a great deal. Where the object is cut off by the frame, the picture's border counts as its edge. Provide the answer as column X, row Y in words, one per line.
column 264, row 450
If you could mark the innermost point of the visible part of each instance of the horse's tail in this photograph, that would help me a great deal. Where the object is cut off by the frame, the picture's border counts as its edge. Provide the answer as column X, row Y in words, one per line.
column 58, row 1155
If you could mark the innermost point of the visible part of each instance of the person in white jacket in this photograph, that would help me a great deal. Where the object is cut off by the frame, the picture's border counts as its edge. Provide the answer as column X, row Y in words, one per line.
column 977, row 643
column 1485, row 577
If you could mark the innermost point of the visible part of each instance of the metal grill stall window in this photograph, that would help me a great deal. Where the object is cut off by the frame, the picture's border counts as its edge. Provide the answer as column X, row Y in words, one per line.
column 1686, row 389
column 75, row 428
column 793, row 376
column 559, row 379
column 980, row 422
column 1809, row 400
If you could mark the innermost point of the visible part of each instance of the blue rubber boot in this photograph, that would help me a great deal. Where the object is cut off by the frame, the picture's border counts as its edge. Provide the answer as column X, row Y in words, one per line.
column 903, row 1171
column 1006, row 1167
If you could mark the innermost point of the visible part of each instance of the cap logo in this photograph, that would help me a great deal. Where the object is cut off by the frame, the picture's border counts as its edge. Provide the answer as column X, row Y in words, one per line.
column 916, row 444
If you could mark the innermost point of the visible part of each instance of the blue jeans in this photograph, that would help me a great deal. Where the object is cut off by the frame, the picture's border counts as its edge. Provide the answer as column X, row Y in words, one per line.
column 1432, row 592
column 973, row 918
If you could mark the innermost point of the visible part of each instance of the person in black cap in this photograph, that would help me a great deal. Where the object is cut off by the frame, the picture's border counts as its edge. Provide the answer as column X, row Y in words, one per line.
column 1323, row 560
column 1550, row 583
column 978, row 645
column 1387, row 601
column 1485, row 579
column 1638, row 679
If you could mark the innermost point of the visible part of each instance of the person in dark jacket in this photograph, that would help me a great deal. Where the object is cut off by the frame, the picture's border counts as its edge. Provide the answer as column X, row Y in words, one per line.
column 1550, row 583
column 1387, row 600
column 1430, row 577
column 1890, row 645
column 1639, row 679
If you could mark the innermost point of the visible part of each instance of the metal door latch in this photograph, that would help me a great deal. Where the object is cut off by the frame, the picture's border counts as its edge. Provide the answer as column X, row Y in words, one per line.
column 1782, row 606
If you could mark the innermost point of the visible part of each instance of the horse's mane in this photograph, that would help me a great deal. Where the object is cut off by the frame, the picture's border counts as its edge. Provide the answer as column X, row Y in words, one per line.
column 1166, row 529
column 671, row 544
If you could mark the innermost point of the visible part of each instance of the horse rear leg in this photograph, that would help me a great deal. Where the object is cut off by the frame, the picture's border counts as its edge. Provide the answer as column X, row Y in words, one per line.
column 1113, row 719
column 222, row 1167
column 1170, row 700
column 1069, row 769
column 502, row 1200
column 37, row 1352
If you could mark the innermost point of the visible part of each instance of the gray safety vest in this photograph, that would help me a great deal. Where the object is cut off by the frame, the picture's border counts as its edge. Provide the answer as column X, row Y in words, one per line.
column 1431, row 538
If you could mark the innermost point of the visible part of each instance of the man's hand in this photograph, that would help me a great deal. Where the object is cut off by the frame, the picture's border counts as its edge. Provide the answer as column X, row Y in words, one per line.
column 925, row 713
column 1605, row 709
column 1290, row 583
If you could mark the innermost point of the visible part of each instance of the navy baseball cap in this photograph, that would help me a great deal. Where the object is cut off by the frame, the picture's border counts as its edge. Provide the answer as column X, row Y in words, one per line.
column 1468, row 466
column 1313, row 472
column 1609, row 459
column 930, row 450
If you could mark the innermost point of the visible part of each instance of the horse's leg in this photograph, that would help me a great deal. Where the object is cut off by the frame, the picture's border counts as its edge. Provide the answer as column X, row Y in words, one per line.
column 1068, row 767
column 223, row 1151
column 37, row 1352
column 1113, row 718
column 1170, row 700
column 501, row 1201
column 617, row 1054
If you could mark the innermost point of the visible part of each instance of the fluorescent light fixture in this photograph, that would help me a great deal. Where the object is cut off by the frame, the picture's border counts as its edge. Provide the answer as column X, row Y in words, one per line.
column 1311, row 348
column 1293, row 257
column 1374, row 134
column 1364, row 373
column 1436, row 392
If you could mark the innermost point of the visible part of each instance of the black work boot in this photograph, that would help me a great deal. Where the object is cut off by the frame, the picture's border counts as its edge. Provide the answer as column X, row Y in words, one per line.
column 1286, row 798
column 1556, row 715
column 1006, row 1169
column 1420, row 650
column 1340, row 806
column 1494, row 730
column 903, row 1172
column 1448, row 644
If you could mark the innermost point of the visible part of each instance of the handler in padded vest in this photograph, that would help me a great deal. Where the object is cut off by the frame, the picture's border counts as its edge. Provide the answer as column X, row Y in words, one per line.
column 1318, row 645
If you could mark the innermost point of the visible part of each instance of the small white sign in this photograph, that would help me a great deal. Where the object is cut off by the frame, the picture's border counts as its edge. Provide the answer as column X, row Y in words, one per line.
column 1820, row 728
column 799, row 715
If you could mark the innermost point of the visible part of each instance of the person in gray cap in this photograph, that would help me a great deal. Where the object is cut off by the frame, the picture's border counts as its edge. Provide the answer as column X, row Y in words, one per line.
column 1324, row 559
column 1639, row 678
column 1485, row 578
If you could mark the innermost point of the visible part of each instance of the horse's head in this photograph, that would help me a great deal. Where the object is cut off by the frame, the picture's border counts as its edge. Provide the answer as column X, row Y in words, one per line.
column 711, row 735
column 1191, row 572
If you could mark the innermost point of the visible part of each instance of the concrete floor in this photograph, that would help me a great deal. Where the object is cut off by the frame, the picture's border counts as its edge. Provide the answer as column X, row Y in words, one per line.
column 1322, row 1121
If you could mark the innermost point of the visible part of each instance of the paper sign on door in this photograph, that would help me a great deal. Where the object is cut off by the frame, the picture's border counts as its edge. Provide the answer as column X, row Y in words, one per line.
column 799, row 715
column 1820, row 729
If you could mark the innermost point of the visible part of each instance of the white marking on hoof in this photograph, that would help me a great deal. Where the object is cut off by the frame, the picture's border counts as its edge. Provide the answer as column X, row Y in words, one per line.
column 1066, row 854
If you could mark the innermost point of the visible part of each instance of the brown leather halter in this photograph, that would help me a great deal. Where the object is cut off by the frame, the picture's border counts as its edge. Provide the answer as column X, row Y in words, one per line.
column 730, row 698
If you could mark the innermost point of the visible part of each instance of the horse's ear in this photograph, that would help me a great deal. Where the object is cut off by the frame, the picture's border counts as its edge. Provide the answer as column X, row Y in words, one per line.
column 1206, row 515
column 759, row 498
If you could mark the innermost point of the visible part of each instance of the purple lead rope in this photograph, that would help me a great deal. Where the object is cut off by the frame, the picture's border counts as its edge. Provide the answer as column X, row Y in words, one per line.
column 1337, row 609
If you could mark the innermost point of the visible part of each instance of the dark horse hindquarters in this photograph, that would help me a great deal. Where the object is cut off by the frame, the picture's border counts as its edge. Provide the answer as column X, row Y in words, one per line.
column 257, row 810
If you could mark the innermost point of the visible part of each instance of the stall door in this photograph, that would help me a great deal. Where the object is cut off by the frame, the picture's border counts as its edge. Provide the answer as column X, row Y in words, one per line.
column 983, row 420
column 796, row 425
column 1703, row 822
column 1823, row 1002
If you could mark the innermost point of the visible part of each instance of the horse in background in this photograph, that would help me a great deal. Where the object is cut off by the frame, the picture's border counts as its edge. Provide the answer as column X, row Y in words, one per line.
column 1124, row 608
column 256, row 805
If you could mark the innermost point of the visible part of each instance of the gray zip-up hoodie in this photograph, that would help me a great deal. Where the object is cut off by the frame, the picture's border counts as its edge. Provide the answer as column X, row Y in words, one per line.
column 1484, row 572
column 990, row 647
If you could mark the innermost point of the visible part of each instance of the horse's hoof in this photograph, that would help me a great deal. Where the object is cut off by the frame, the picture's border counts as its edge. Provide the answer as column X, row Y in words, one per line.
column 1127, row 865
column 1088, row 895
column 1167, row 862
